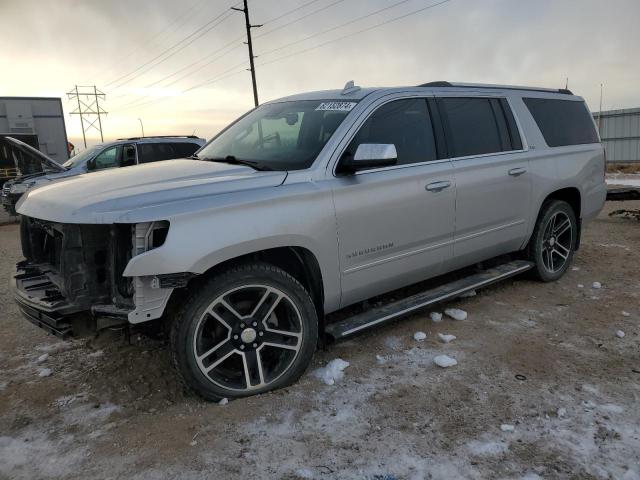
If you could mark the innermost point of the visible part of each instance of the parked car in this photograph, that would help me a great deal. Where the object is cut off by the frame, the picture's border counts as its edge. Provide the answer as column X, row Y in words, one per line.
column 121, row 153
column 307, row 205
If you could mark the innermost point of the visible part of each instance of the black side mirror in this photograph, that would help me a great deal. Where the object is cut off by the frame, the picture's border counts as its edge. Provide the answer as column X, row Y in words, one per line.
column 91, row 164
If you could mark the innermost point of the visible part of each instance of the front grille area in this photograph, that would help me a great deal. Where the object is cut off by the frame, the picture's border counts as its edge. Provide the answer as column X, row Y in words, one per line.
column 80, row 265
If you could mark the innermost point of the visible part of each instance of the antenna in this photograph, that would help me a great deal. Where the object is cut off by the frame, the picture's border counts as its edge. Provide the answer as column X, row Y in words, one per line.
column 349, row 87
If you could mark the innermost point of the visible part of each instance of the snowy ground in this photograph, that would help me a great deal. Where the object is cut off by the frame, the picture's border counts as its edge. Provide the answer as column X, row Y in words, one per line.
column 623, row 180
column 543, row 388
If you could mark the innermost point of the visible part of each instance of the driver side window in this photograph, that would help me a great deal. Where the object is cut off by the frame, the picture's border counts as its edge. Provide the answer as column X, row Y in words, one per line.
column 403, row 123
column 108, row 158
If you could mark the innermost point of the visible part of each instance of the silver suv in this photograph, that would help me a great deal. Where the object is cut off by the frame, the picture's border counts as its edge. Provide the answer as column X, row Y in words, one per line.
column 124, row 152
column 307, row 205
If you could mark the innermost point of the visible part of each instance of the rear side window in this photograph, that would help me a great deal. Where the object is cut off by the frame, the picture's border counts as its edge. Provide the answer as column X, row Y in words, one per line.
column 562, row 122
column 154, row 152
column 477, row 126
column 185, row 149
column 404, row 123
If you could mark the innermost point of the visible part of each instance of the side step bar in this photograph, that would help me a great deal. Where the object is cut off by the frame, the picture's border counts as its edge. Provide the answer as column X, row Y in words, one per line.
column 377, row 316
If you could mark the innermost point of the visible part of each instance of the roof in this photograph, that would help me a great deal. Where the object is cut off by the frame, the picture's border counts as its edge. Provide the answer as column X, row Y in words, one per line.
column 357, row 93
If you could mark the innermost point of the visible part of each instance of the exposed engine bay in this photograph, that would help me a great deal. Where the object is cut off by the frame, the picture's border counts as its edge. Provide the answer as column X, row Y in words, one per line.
column 77, row 269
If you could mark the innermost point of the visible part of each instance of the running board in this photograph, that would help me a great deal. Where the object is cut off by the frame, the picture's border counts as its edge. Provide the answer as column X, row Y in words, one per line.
column 448, row 291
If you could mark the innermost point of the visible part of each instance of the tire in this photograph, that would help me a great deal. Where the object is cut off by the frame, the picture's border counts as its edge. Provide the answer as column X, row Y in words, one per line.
column 553, row 241
column 248, row 330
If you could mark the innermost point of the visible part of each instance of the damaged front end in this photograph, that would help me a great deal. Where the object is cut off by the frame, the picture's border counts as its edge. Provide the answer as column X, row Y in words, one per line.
column 71, row 281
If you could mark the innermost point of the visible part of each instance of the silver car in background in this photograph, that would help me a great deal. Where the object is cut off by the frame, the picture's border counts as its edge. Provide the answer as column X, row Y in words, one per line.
column 124, row 152
column 307, row 205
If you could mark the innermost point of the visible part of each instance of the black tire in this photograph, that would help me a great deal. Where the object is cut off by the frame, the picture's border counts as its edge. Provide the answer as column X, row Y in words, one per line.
column 541, row 243
column 188, row 332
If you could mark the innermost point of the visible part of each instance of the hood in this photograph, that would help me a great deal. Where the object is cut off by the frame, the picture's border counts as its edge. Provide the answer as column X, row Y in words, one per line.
column 47, row 162
column 116, row 195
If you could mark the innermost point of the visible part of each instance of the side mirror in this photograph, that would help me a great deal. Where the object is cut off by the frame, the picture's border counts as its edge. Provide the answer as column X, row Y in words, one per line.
column 371, row 155
column 91, row 164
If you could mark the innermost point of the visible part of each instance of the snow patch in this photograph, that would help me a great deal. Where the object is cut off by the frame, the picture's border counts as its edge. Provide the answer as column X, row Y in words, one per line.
column 446, row 338
column 620, row 334
column 580, row 285
column 223, row 401
column 419, row 336
column 333, row 371
column 596, row 285
column 456, row 313
column 304, row 473
column 445, row 361
column 436, row 317
column 562, row 412
column 42, row 358
column 45, row 372
column 486, row 449
column 625, row 314
column 505, row 427
column 611, row 408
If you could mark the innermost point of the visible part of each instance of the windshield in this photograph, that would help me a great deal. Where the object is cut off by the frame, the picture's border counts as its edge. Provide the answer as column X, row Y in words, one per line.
column 81, row 157
column 279, row 136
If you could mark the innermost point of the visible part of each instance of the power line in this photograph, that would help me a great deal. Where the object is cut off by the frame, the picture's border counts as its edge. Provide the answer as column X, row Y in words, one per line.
column 187, row 67
column 184, row 15
column 299, row 52
column 334, row 28
column 298, row 19
column 193, row 36
column 428, row 7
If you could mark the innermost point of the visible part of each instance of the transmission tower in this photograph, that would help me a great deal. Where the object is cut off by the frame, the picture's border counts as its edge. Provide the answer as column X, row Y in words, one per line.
column 89, row 109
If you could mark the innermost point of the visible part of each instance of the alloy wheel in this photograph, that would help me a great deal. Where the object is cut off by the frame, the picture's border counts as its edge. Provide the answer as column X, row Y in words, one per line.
column 557, row 242
column 248, row 337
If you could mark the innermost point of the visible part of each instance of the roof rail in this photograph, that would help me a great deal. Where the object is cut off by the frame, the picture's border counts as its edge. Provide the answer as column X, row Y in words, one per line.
column 160, row 136
column 441, row 84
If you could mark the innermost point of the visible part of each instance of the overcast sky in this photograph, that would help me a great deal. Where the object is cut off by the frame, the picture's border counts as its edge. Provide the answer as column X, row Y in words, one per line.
column 48, row 46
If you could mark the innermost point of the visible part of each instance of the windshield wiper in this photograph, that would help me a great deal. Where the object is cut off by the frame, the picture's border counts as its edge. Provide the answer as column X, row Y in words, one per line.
column 237, row 161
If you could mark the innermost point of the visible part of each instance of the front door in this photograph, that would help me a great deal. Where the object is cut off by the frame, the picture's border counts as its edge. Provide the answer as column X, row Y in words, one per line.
column 395, row 224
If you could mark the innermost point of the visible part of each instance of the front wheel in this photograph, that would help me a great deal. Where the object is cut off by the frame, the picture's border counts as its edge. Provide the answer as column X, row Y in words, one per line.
column 553, row 241
column 246, row 331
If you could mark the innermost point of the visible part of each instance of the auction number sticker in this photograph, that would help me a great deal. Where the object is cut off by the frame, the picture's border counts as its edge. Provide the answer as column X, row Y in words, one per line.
column 336, row 106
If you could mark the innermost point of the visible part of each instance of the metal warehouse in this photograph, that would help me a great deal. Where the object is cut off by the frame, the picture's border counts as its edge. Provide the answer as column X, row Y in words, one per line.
column 37, row 121
column 620, row 133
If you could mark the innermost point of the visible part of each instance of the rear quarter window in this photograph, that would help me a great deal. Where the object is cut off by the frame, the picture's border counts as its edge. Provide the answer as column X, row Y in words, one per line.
column 562, row 122
column 185, row 149
column 155, row 152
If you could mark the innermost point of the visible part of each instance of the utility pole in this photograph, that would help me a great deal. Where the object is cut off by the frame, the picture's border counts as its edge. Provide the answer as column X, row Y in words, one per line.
column 141, row 126
column 250, row 45
column 89, row 109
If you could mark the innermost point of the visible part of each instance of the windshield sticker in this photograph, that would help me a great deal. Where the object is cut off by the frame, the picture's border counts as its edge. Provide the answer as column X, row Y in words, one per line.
column 336, row 106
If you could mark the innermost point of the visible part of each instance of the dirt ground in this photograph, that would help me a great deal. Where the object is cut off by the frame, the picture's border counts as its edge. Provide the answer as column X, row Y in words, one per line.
column 543, row 358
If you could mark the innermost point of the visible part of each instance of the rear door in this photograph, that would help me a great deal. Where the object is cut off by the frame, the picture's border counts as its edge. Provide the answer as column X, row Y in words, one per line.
column 395, row 224
column 492, row 180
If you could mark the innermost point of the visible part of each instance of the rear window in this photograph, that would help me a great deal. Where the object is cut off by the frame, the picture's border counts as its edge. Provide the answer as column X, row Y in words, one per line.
column 477, row 126
column 562, row 122
column 154, row 152
column 185, row 149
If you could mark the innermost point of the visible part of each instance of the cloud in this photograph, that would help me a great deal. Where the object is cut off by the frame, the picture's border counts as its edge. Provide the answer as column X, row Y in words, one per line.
column 51, row 45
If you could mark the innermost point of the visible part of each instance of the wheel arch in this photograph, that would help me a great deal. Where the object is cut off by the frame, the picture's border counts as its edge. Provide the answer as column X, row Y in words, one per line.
column 299, row 262
column 573, row 197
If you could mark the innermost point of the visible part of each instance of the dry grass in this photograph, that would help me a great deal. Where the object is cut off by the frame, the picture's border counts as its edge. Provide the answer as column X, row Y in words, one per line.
column 623, row 168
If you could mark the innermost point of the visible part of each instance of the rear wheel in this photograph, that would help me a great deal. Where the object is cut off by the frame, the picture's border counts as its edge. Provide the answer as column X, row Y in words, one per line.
column 552, row 244
column 246, row 331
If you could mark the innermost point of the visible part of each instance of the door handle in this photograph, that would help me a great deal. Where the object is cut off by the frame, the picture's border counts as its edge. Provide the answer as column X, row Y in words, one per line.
column 516, row 172
column 437, row 186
